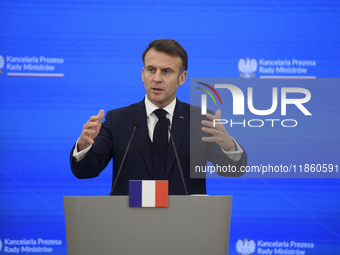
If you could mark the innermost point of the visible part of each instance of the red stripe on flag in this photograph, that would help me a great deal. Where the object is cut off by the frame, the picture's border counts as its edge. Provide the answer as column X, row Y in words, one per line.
column 161, row 194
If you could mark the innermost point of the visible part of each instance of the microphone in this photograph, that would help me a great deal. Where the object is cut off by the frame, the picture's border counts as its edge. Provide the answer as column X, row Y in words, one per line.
column 167, row 123
column 135, row 126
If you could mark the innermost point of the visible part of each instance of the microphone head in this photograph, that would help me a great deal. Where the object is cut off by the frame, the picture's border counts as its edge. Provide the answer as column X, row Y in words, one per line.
column 167, row 122
column 136, row 123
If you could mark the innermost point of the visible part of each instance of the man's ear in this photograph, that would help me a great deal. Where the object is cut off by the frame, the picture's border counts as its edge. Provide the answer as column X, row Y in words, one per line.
column 182, row 78
column 143, row 74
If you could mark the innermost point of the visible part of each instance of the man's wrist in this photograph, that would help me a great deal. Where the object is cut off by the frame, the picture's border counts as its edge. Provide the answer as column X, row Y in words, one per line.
column 231, row 149
column 80, row 154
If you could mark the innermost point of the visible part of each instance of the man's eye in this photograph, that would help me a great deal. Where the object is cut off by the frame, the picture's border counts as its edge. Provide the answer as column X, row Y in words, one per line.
column 150, row 70
column 166, row 71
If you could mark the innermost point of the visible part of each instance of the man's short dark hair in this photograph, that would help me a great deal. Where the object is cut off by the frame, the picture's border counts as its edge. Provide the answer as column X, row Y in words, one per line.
column 170, row 47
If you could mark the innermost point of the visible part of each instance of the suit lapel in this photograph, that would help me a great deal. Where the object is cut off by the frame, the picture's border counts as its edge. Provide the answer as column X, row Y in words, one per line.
column 179, row 122
column 142, row 134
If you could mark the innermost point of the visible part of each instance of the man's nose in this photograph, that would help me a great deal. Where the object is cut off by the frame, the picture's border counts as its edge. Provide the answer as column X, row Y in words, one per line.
column 157, row 77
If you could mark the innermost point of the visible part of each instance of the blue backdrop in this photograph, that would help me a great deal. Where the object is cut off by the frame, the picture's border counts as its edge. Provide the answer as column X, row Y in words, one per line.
column 62, row 61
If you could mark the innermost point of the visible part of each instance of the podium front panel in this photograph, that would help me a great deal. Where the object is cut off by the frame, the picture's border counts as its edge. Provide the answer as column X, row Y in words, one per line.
column 107, row 225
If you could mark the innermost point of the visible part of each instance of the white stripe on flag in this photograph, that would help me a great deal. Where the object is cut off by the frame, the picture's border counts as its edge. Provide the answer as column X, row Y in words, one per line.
column 148, row 193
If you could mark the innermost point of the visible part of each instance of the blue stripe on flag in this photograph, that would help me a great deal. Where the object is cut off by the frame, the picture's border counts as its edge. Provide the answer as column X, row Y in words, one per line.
column 135, row 193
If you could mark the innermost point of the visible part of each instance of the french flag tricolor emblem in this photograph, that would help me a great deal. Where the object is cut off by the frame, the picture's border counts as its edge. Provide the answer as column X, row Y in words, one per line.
column 148, row 193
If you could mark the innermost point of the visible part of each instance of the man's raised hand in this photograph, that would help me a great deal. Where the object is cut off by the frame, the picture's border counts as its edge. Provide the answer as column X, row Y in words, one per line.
column 220, row 134
column 90, row 131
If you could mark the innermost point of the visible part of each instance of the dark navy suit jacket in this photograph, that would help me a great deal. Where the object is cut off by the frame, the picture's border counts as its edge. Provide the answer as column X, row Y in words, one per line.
column 114, row 136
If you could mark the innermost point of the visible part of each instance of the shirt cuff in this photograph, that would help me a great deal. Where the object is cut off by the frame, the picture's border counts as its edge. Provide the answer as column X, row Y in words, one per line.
column 234, row 154
column 81, row 154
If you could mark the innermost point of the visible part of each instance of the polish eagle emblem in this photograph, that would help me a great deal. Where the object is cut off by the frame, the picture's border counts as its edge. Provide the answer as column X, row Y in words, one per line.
column 245, row 247
column 2, row 62
column 247, row 67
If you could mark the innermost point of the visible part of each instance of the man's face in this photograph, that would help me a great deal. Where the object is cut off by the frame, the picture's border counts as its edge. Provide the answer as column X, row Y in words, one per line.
column 161, row 77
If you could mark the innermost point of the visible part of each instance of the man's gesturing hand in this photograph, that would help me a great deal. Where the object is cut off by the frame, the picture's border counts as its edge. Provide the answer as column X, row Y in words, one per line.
column 90, row 131
column 220, row 134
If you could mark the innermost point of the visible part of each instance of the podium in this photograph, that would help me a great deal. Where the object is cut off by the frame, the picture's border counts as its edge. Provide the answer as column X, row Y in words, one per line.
column 107, row 225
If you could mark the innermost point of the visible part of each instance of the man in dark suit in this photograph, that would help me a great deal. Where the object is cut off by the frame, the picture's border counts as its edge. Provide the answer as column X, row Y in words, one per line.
column 165, row 64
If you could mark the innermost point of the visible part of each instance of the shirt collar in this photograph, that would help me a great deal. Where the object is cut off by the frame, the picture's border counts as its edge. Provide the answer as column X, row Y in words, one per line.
column 150, row 107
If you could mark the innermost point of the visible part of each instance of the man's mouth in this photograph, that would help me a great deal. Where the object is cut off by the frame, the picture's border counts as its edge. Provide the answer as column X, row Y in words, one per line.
column 156, row 89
